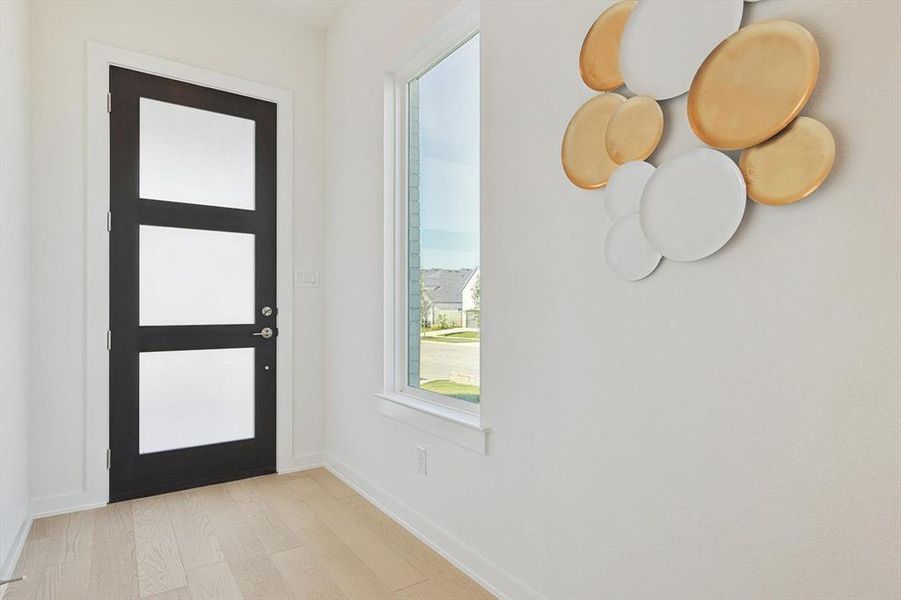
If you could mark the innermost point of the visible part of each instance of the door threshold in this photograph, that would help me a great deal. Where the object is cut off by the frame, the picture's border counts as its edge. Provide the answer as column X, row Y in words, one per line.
column 187, row 485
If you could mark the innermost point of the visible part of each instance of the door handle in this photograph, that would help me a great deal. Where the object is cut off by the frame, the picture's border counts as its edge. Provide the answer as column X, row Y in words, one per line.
column 265, row 333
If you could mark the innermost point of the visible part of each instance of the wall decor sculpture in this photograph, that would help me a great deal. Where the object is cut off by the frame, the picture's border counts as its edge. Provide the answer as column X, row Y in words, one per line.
column 627, row 249
column 625, row 188
column 692, row 204
column 599, row 59
column 790, row 166
column 635, row 129
column 585, row 158
column 753, row 84
column 664, row 43
column 746, row 87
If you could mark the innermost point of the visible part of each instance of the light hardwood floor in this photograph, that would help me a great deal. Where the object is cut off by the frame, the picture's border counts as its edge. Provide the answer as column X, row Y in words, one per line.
column 297, row 536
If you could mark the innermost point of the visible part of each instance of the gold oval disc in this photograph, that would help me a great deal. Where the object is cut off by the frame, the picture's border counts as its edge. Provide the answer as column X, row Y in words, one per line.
column 599, row 58
column 635, row 129
column 584, row 155
column 789, row 166
column 753, row 84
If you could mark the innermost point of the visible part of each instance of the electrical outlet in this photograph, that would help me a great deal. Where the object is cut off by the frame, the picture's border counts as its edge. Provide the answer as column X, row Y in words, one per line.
column 422, row 461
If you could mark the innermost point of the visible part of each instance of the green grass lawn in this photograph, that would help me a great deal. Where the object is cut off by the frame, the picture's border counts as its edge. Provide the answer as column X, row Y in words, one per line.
column 470, row 393
column 454, row 338
column 463, row 335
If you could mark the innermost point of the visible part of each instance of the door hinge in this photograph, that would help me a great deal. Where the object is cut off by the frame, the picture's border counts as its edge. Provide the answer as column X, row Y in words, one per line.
column 109, row 221
column 109, row 339
column 109, row 102
column 109, row 458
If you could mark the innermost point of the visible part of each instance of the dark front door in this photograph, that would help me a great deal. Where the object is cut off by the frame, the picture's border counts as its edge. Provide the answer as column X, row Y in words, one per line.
column 192, row 285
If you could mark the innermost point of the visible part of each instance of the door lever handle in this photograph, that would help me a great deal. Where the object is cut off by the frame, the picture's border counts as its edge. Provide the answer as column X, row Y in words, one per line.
column 265, row 333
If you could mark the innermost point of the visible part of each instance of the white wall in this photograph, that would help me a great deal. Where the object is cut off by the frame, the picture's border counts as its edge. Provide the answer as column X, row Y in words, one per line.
column 232, row 38
column 725, row 428
column 14, row 289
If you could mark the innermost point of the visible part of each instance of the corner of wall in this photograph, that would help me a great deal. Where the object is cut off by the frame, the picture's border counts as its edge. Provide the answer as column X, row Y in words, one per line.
column 463, row 556
column 9, row 562
column 15, row 208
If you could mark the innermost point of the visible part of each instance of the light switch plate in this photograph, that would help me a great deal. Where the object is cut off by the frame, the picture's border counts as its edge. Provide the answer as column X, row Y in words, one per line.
column 307, row 279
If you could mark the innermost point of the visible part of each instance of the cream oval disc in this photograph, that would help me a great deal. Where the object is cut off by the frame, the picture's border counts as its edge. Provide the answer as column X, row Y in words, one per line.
column 665, row 42
column 623, row 193
column 628, row 252
column 692, row 204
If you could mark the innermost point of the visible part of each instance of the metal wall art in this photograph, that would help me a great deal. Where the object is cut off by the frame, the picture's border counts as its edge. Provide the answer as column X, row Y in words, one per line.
column 585, row 158
column 625, row 188
column 599, row 58
column 790, row 166
column 692, row 204
column 664, row 43
column 635, row 129
column 627, row 250
column 753, row 84
column 746, row 88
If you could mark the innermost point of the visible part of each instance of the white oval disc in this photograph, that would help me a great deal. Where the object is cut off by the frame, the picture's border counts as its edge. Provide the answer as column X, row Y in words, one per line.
column 623, row 193
column 627, row 250
column 692, row 204
column 664, row 43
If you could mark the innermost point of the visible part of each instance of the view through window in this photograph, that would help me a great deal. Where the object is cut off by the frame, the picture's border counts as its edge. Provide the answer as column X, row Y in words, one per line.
column 444, row 280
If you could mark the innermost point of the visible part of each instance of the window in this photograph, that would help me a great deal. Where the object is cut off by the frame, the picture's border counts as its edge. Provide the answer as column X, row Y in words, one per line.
column 432, row 301
column 443, row 279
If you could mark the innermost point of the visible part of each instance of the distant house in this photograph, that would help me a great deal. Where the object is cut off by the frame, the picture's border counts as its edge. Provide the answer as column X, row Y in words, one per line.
column 451, row 294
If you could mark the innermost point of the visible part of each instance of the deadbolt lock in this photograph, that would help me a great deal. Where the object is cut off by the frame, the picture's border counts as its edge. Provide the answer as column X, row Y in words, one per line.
column 265, row 333
column 267, row 311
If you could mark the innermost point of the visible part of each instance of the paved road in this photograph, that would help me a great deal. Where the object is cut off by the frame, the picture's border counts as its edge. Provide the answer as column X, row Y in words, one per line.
column 438, row 359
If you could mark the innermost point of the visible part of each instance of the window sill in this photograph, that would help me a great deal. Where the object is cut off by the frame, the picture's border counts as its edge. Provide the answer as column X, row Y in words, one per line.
column 457, row 426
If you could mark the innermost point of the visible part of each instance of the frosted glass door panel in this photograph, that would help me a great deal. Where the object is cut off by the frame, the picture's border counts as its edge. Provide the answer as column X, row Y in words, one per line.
column 194, row 398
column 195, row 277
column 196, row 156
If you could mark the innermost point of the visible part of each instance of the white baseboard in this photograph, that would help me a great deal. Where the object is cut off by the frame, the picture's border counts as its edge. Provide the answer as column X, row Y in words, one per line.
column 56, row 505
column 304, row 462
column 496, row 580
column 12, row 557
column 48, row 506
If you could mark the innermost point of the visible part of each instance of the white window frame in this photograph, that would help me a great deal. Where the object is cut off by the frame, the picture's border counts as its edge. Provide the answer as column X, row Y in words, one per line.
column 461, row 25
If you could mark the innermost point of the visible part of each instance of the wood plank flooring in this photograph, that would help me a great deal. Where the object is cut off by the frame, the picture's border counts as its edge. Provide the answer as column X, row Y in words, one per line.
column 300, row 536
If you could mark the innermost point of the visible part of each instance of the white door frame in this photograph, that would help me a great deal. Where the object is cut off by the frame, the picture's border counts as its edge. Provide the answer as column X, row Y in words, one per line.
column 96, row 442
